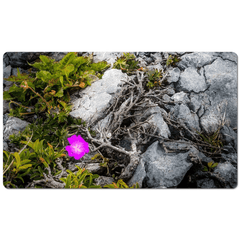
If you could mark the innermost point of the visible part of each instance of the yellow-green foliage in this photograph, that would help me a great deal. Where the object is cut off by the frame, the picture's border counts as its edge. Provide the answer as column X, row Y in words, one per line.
column 121, row 184
column 126, row 63
column 49, row 88
column 210, row 167
column 30, row 161
column 172, row 60
column 84, row 179
column 213, row 140
column 154, row 78
column 81, row 179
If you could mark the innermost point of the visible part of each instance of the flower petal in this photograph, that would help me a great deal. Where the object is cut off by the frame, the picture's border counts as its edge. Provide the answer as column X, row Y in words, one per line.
column 78, row 156
column 72, row 139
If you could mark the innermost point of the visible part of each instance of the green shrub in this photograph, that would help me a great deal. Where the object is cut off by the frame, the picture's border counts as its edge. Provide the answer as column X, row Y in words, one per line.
column 49, row 88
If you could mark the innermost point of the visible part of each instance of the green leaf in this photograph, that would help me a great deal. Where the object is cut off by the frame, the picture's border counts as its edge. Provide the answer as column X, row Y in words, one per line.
column 214, row 165
column 7, row 96
column 20, row 178
column 210, row 164
column 59, row 93
column 205, row 169
column 25, row 161
column 67, row 59
column 68, row 181
column 61, row 80
column 25, row 166
column 63, row 180
column 18, row 160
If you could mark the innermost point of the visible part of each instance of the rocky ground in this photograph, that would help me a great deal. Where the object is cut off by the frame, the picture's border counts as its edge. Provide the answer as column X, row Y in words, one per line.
column 153, row 134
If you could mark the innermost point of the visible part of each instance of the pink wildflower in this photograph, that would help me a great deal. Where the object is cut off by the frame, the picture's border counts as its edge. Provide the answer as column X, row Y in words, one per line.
column 78, row 147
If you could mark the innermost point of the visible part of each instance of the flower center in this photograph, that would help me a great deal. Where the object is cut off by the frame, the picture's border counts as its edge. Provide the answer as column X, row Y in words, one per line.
column 77, row 147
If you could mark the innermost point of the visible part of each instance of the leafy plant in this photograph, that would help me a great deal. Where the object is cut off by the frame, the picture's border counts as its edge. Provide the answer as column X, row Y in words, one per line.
column 121, row 184
column 104, row 161
column 81, row 179
column 15, row 167
column 154, row 77
column 48, row 90
column 213, row 140
column 210, row 167
column 172, row 60
column 126, row 63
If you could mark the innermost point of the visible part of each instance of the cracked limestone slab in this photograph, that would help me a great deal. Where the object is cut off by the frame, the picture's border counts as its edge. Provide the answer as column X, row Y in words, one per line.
column 222, row 78
column 231, row 56
column 97, row 97
column 158, row 168
column 196, row 60
column 191, row 80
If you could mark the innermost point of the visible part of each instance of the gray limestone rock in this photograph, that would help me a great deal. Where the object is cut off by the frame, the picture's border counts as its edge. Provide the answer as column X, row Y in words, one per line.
column 7, row 72
column 13, row 125
column 158, row 168
column 109, row 57
column 230, row 157
column 5, row 118
column 96, row 98
column 228, row 172
column 139, row 174
column 5, row 146
column 222, row 93
column 154, row 115
column 94, row 168
column 183, row 114
column 155, row 66
column 5, row 106
column 196, row 60
column 21, row 59
column 229, row 136
column 180, row 97
column 102, row 181
column 206, row 183
column 231, row 56
column 174, row 75
column 191, row 80
column 15, row 72
column 157, row 57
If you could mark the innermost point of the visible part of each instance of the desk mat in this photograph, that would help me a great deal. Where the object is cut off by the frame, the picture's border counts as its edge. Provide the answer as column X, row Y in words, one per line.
column 120, row 120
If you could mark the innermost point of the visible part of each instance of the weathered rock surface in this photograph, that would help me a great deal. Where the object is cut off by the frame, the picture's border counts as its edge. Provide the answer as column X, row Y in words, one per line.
column 5, row 106
column 154, row 117
column 91, row 167
column 228, row 172
column 229, row 136
column 231, row 56
column 191, row 80
column 13, row 125
column 174, row 75
column 109, row 57
column 184, row 115
column 102, row 181
column 158, row 168
column 180, row 97
column 196, row 60
column 21, row 59
column 222, row 77
column 7, row 72
column 206, row 183
column 96, row 98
